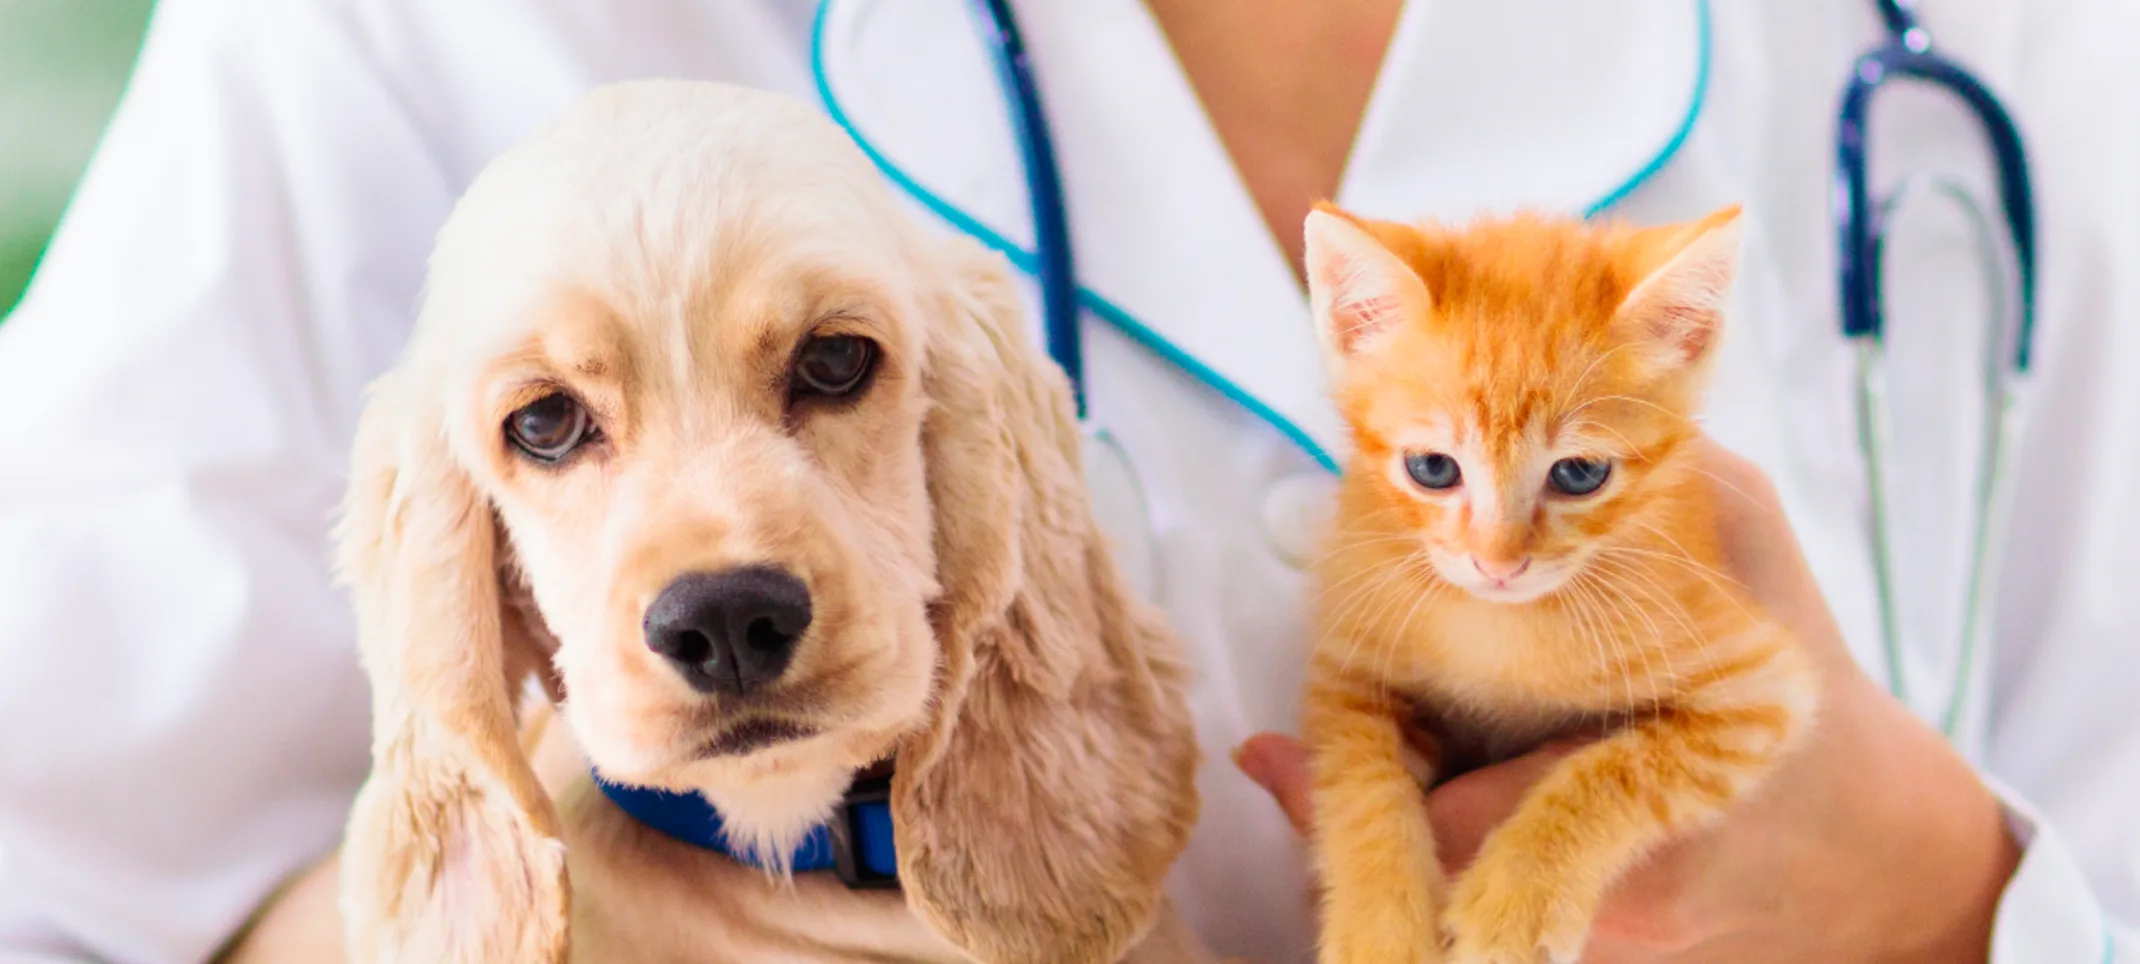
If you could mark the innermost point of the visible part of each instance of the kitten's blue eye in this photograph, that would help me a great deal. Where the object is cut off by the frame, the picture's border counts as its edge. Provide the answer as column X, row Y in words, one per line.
column 1578, row 476
column 1432, row 470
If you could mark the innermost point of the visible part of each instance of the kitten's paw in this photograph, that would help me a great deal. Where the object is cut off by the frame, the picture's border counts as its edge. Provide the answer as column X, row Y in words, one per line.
column 1389, row 919
column 1512, row 916
column 1566, row 945
column 1378, row 948
column 1340, row 954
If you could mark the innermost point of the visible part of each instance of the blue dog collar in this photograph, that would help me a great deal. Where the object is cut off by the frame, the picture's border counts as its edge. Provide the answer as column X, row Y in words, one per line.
column 856, row 844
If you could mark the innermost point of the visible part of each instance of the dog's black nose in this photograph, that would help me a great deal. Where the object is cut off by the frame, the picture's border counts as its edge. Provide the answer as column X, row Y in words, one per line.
column 729, row 632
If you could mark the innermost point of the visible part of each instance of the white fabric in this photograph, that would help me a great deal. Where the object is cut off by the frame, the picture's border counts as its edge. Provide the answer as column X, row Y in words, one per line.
column 182, row 721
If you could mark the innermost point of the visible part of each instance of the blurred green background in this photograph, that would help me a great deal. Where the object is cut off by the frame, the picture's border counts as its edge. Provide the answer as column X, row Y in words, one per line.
column 62, row 66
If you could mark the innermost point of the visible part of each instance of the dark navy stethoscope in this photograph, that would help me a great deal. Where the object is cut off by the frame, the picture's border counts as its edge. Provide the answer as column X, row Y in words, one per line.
column 1862, row 220
column 2009, row 275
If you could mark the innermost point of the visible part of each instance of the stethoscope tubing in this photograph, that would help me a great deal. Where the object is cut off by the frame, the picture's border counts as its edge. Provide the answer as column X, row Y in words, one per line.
column 1909, row 54
column 1862, row 223
column 1057, row 273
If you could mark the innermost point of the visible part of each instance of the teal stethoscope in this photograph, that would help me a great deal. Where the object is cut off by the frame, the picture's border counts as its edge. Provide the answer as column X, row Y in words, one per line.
column 1861, row 223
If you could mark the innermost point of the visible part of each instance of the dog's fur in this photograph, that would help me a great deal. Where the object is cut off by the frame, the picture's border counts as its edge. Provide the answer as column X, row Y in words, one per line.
column 660, row 251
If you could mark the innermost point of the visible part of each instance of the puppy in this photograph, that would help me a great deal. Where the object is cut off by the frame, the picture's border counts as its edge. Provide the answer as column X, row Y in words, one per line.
column 703, row 440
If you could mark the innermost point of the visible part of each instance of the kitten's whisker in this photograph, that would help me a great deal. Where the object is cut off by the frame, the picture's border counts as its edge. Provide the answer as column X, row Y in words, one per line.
column 1741, row 493
column 1649, row 667
column 1322, row 592
column 1687, row 558
column 1591, row 602
column 1433, row 591
column 1373, row 625
column 1621, row 647
column 1661, row 598
column 1368, row 538
column 1686, row 562
column 1332, row 550
column 1368, row 580
column 1340, row 616
column 1632, row 448
column 1404, row 631
column 1390, row 602
column 1593, row 633
column 1659, row 532
column 1584, row 378
column 1675, row 416
column 1401, row 562
column 1690, row 567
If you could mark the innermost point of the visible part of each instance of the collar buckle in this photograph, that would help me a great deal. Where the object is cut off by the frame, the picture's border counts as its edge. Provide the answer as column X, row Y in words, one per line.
column 869, row 796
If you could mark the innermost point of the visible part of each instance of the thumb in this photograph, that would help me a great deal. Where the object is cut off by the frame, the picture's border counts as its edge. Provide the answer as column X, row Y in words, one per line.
column 1279, row 765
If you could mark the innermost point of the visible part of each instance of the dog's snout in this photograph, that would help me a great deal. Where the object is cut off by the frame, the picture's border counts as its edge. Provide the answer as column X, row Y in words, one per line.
column 729, row 632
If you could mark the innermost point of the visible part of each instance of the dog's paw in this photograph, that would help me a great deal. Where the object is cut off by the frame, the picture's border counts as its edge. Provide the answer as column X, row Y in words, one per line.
column 1502, row 914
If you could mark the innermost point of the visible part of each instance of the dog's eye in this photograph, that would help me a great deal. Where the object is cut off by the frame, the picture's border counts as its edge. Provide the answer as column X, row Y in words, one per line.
column 834, row 365
column 549, row 428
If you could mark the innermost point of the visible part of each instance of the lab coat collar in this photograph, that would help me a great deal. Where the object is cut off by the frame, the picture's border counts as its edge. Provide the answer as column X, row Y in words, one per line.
column 1479, row 106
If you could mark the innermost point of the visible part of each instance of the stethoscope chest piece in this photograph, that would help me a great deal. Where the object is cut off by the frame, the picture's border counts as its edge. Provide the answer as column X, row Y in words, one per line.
column 1296, row 511
column 1120, row 508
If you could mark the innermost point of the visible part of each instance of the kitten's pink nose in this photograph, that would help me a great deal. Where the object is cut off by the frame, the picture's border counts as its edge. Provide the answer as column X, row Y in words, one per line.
column 1501, row 570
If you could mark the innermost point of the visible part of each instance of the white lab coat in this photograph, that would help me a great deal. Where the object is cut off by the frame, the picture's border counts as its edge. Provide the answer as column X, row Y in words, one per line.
column 182, row 719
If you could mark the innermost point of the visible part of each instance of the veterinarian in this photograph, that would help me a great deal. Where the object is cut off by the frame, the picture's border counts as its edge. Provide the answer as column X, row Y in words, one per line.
column 185, row 723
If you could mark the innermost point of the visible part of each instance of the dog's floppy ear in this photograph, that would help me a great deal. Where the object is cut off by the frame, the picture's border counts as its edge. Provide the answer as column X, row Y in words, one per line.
column 1038, row 815
column 452, row 852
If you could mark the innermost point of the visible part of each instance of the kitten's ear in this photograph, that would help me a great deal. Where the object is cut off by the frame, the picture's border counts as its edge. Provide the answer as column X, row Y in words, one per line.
column 1357, row 287
column 1678, row 308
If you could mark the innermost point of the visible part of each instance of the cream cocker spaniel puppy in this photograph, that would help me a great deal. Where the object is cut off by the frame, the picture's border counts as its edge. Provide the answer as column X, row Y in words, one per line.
column 764, row 485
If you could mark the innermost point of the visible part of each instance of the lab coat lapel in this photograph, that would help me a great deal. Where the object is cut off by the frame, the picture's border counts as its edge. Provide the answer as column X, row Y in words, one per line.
column 1513, row 103
column 1146, row 182
column 1544, row 104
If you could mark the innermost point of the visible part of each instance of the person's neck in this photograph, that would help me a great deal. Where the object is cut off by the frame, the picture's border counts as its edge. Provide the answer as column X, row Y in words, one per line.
column 1285, row 84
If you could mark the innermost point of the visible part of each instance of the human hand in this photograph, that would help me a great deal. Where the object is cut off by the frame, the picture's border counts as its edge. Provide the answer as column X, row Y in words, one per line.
column 1830, row 860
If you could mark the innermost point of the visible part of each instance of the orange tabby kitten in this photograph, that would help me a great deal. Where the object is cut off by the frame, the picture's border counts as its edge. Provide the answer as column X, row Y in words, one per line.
column 1525, row 545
